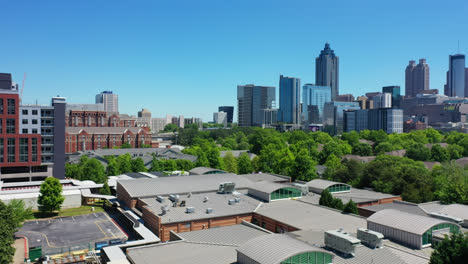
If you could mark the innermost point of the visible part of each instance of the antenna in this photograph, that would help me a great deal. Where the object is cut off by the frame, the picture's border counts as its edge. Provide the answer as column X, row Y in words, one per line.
column 22, row 88
column 458, row 47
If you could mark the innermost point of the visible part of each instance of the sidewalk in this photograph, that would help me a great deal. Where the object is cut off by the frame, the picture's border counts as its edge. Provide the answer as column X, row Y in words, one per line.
column 19, row 253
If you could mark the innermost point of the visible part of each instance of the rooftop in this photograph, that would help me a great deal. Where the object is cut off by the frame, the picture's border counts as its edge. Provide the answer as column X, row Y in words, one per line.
column 256, row 177
column 320, row 184
column 205, row 170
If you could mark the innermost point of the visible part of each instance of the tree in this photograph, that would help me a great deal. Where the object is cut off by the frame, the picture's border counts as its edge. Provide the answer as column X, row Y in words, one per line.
column 138, row 165
column 352, row 137
column 202, row 161
column 244, row 165
column 183, row 164
column 125, row 145
column 50, row 197
column 332, row 163
column 450, row 183
column 124, row 162
column 418, row 151
column 440, row 154
column 170, row 128
column 8, row 226
column 326, row 199
column 73, row 171
column 112, row 167
column 230, row 163
column 452, row 250
column 94, row 171
column 362, row 149
column 350, row 208
column 304, row 167
column 383, row 147
column 337, row 204
column 105, row 190
column 455, row 151
column 157, row 165
column 20, row 211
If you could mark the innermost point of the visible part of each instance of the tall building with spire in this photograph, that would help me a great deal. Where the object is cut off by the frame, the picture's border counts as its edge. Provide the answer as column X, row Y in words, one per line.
column 416, row 78
column 327, row 70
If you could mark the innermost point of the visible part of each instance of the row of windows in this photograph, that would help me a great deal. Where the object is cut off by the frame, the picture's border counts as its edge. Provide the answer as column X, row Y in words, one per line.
column 26, row 111
column 23, row 150
column 287, row 192
column 310, row 258
column 339, row 188
column 427, row 237
column 26, row 121
column 11, row 106
column 25, row 131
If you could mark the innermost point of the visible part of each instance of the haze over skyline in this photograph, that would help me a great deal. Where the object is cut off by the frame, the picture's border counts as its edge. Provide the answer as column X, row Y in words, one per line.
column 188, row 57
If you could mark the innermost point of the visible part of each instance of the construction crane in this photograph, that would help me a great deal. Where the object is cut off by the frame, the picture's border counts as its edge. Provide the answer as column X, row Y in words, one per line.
column 22, row 88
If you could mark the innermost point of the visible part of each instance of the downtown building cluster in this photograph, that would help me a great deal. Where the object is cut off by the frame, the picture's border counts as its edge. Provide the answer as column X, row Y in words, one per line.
column 322, row 107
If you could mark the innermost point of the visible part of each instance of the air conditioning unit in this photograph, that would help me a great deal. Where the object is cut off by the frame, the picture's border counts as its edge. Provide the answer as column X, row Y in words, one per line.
column 190, row 210
column 174, row 197
column 237, row 200
column 160, row 199
column 370, row 238
column 227, row 187
column 164, row 209
column 209, row 210
column 231, row 201
column 341, row 242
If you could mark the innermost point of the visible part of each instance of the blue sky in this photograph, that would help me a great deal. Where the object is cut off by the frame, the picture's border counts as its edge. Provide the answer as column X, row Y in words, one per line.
column 187, row 57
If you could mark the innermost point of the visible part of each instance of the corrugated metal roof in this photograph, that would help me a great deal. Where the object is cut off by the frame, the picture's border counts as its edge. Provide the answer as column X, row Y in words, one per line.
column 412, row 223
column 268, row 187
column 235, row 235
column 361, row 195
column 181, row 184
column 322, row 184
column 457, row 210
column 204, row 170
column 255, row 177
column 275, row 248
column 407, row 207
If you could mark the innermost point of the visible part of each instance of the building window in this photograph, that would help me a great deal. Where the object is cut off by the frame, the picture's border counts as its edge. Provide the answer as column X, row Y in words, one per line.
column 34, row 121
column 1, row 106
column 1, row 126
column 34, row 112
column 25, row 131
column 33, row 149
column 11, row 145
column 25, row 111
column 11, row 106
column 24, row 121
column 2, row 148
column 34, row 131
column 23, row 150
column 10, row 126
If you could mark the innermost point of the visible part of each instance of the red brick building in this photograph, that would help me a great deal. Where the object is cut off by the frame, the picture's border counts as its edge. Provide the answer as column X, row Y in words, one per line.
column 91, row 138
column 80, row 118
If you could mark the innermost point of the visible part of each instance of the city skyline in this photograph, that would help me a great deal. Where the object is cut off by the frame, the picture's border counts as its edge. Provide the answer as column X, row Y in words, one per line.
column 163, row 59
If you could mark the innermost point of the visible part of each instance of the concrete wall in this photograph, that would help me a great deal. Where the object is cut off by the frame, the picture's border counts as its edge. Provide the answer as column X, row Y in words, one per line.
column 72, row 200
column 402, row 237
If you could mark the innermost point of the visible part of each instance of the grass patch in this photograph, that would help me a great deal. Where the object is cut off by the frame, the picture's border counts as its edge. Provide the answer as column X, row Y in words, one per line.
column 82, row 210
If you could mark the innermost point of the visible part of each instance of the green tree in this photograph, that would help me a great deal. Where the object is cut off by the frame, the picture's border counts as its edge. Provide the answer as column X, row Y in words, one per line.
column 124, row 162
column 73, row 170
column 214, row 159
column 94, row 171
column 170, row 165
column 50, row 197
column 20, row 211
column 8, row 226
column 230, row 163
column 333, row 163
column 326, row 199
column 156, row 165
column 351, row 208
column 170, row 128
column 244, row 165
column 455, row 151
column 450, row 183
column 351, row 137
column 125, row 145
column 112, row 167
column 383, row 147
column 337, row 204
column 138, row 165
column 105, row 190
column 432, row 135
column 304, row 167
column 418, row 151
column 453, row 250
column 440, row 154
column 362, row 149
column 184, row 165
column 202, row 161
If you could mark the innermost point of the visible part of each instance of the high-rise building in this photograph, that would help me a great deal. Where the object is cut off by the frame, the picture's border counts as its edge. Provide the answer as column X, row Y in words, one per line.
column 389, row 120
column 327, row 70
column 314, row 95
column 251, row 100
column 416, row 78
column 110, row 101
column 363, row 102
column 355, row 120
column 333, row 115
column 456, row 76
column 220, row 118
column 144, row 113
column 229, row 110
column 289, row 100
column 345, row 98
column 395, row 94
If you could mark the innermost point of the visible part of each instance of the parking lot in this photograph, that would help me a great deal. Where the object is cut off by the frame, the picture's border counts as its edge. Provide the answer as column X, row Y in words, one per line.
column 70, row 231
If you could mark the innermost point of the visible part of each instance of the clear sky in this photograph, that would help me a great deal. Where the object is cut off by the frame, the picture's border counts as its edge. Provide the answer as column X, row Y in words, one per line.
column 187, row 56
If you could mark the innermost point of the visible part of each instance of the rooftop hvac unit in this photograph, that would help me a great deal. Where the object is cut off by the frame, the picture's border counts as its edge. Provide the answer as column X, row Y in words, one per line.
column 237, row 200
column 231, row 201
column 190, row 210
column 164, row 209
column 341, row 242
column 205, row 199
column 370, row 238
column 209, row 210
column 174, row 197
column 160, row 199
column 227, row 187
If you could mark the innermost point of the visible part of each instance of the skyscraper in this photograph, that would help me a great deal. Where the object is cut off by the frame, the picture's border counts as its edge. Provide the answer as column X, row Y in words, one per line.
column 456, row 76
column 314, row 95
column 251, row 100
column 289, row 100
column 327, row 70
column 230, row 112
column 110, row 101
column 395, row 92
column 416, row 78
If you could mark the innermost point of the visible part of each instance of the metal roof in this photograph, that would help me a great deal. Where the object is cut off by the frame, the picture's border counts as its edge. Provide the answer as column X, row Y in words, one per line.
column 411, row 223
column 255, row 177
column 269, row 187
column 180, row 184
column 362, row 196
column 204, row 170
column 302, row 215
column 217, row 202
column 407, row 207
column 322, row 184
column 457, row 210
column 275, row 248
column 235, row 235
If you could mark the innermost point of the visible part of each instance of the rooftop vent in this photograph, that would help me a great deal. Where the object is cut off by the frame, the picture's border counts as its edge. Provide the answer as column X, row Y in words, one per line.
column 209, row 210
column 164, row 209
column 370, row 238
column 341, row 242
column 227, row 187
column 160, row 199
column 174, row 197
column 237, row 200
column 231, row 201
column 190, row 210
column 205, row 199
